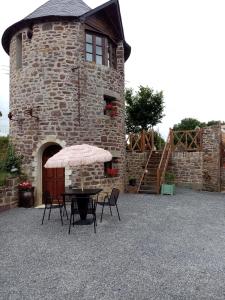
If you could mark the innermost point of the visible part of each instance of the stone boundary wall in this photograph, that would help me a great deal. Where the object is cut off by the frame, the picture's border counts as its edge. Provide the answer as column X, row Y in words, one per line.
column 197, row 170
column 9, row 194
column 187, row 167
column 211, row 158
column 135, row 166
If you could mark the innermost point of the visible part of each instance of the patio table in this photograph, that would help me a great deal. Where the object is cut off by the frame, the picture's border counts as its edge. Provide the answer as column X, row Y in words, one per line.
column 82, row 198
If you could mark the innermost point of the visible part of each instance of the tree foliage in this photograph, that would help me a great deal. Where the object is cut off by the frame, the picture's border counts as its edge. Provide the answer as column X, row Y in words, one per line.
column 188, row 124
column 191, row 124
column 144, row 109
column 13, row 159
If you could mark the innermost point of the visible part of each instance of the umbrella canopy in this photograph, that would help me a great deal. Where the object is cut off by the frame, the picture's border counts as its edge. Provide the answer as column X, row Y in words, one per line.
column 78, row 155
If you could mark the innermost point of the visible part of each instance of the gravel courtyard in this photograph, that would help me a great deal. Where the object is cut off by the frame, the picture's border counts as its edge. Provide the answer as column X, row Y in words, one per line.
column 165, row 247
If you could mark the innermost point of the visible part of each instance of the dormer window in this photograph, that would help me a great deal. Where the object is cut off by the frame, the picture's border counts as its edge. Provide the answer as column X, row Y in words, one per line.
column 100, row 50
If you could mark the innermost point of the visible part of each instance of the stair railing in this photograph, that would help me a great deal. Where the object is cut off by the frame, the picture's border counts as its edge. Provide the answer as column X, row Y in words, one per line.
column 164, row 160
column 145, row 171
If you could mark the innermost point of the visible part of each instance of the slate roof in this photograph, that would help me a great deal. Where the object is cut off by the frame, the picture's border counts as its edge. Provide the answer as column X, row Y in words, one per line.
column 72, row 8
column 63, row 9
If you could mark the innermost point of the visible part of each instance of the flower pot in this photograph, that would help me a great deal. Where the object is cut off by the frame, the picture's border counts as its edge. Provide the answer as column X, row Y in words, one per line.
column 26, row 198
column 132, row 181
column 167, row 189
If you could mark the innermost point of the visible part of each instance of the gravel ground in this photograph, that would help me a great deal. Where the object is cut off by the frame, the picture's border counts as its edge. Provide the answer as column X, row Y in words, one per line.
column 165, row 247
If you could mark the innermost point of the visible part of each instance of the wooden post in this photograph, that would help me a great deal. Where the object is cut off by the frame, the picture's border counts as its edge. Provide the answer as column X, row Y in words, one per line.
column 152, row 141
column 142, row 141
column 171, row 139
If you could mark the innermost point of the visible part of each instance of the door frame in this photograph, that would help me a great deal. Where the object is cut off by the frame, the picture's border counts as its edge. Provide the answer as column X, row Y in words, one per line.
column 45, row 180
column 37, row 166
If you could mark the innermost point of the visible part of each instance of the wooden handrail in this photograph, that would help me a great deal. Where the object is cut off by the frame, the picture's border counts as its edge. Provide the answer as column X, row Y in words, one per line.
column 164, row 161
column 144, row 173
column 140, row 142
column 187, row 140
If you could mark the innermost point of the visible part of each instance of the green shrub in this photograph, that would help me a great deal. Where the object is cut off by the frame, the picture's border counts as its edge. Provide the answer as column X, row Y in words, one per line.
column 169, row 178
column 13, row 159
column 3, row 177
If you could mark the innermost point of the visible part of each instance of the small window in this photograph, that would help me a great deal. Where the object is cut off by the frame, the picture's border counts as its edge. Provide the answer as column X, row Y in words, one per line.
column 111, row 167
column 110, row 107
column 19, row 51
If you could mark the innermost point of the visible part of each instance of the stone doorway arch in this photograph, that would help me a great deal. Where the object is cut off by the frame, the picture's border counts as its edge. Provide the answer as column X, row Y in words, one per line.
column 37, row 166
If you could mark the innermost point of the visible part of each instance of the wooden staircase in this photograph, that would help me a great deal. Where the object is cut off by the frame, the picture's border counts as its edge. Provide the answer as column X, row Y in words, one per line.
column 155, row 168
column 149, row 182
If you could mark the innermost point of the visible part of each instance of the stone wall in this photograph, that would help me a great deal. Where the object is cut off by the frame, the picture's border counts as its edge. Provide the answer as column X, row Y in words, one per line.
column 67, row 94
column 200, row 170
column 211, row 158
column 135, row 166
column 9, row 194
column 187, row 167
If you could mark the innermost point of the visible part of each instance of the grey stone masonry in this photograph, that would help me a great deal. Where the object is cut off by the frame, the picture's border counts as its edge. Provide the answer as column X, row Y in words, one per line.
column 66, row 94
column 187, row 167
column 135, row 166
column 211, row 158
column 9, row 194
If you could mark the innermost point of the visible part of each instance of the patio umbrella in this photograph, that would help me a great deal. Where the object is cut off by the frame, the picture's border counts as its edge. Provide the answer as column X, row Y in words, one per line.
column 78, row 155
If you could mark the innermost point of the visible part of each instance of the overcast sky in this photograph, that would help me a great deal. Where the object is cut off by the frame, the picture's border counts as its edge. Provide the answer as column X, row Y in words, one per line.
column 178, row 46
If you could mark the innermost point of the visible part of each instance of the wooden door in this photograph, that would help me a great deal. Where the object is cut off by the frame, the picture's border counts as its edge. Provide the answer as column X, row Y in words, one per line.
column 53, row 179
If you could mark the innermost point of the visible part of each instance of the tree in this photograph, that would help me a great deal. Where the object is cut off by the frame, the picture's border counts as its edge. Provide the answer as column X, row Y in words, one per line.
column 212, row 122
column 191, row 124
column 188, row 124
column 144, row 109
column 0, row 114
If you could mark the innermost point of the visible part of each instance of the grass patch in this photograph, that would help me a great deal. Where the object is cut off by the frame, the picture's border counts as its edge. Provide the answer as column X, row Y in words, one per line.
column 4, row 142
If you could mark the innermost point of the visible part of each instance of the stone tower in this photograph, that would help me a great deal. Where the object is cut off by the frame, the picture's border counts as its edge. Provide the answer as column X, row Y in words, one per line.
column 66, row 87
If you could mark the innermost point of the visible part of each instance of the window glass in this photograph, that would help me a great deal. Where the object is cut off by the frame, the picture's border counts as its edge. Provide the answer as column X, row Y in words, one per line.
column 98, row 59
column 98, row 50
column 89, row 57
column 89, row 48
column 89, row 38
column 98, row 41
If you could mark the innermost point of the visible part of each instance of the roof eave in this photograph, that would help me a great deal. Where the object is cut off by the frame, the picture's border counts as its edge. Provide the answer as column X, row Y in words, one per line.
column 127, row 48
column 13, row 29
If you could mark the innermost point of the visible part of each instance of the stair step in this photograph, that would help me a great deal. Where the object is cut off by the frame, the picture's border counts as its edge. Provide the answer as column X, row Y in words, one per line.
column 148, row 191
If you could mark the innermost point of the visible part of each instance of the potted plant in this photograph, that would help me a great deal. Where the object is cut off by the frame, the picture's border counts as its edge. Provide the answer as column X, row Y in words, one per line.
column 168, row 187
column 132, row 181
column 26, row 194
column 110, row 110
column 112, row 172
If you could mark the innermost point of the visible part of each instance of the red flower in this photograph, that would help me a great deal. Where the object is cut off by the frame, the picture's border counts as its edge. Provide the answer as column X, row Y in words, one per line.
column 24, row 186
column 112, row 172
column 109, row 106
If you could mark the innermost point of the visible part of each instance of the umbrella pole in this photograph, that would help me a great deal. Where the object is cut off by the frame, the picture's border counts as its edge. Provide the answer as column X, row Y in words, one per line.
column 82, row 179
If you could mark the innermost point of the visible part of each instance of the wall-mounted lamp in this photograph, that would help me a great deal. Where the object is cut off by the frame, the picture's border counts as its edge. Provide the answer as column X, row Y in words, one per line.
column 10, row 115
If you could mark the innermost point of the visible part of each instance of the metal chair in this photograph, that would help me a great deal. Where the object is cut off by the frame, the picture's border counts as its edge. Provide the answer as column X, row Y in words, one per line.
column 49, row 204
column 91, row 209
column 110, row 200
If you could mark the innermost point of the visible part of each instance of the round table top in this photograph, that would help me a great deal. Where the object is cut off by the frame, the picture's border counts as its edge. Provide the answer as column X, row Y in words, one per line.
column 78, row 192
